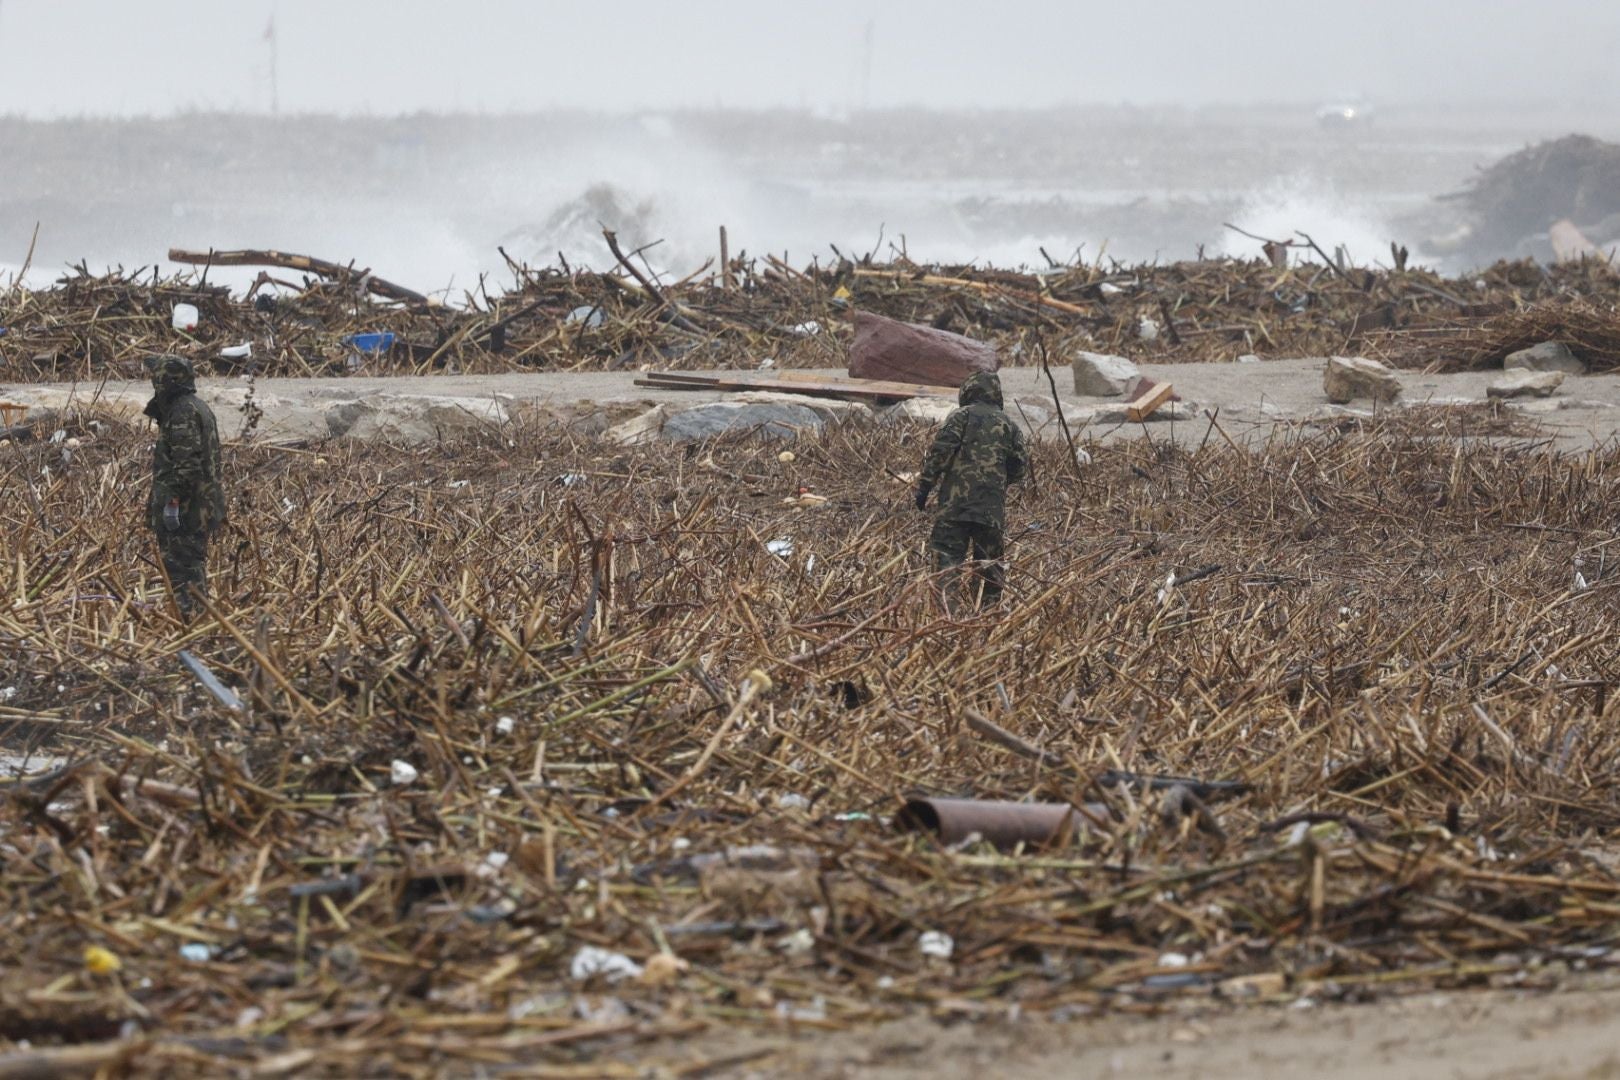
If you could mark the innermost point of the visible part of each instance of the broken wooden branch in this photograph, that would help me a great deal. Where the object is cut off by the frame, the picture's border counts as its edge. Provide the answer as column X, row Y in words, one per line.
column 288, row 261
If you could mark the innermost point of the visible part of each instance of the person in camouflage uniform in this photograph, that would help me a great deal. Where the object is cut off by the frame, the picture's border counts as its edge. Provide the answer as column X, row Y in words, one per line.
column 188, row 498
column 974, row 457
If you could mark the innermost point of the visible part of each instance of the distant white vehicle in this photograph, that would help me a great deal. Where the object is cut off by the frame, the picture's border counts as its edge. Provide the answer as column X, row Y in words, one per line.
column 1344, row 114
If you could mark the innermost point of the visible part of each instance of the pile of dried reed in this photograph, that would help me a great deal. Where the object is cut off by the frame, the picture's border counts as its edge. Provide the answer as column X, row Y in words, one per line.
column 1379, row 632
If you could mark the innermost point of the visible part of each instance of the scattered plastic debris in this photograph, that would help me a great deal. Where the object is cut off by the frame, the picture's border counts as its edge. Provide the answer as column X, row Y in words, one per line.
column 588, row 314
column 100, row 961
column 781, row 548
column 936, row 944
column 402, row 773
column 374, row 343
column 196, row 952
column 184, row 317
column 591, row 962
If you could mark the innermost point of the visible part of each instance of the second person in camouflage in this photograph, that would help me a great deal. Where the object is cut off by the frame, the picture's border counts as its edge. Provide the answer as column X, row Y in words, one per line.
column 188, row 497
column 975, row 456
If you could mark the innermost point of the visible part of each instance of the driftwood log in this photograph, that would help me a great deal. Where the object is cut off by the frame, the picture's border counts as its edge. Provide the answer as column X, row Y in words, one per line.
column 288, row 261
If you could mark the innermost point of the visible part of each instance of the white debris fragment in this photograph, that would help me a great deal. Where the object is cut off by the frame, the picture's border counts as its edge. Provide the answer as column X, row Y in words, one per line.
column 237, row 352
column 591, row 961
column 782, row 547
column 402, row 773
column 505, row 725
column 792, row 801
column 815, row 1012
column 808, row 329
column 1082, row 456
column 936, row 944
column 800, row 941
column 1164, row 590
column 1174, row 960
column 196, row 952
column 454, row 484
column 1147, row 329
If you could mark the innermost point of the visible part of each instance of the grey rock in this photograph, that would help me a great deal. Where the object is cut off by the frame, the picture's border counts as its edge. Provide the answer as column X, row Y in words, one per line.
column 413, row 419
column 1102, row 375
column 1170, row 411
column 829, row 409
column 1523, row 383
column 1347, row 378
column 1548, row 356
column 923, row 410
column 771, row 421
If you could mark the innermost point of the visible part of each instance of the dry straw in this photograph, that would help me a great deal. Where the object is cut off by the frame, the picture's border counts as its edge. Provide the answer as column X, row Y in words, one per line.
column 1379, row 631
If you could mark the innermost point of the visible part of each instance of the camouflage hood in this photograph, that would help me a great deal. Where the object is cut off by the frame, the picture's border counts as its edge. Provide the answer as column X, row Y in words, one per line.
column 981, row 386
column 172, row 377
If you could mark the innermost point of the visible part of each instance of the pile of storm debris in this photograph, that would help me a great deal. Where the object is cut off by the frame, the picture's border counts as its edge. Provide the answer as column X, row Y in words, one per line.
column 307, row 316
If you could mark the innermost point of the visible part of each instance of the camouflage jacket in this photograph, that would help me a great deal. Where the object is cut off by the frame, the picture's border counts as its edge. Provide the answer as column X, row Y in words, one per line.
column 975, row 456
column 185, row 464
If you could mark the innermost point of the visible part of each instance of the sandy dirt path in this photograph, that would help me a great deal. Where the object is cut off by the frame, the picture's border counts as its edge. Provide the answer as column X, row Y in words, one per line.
column 1251, row 398
column 1571, row 1034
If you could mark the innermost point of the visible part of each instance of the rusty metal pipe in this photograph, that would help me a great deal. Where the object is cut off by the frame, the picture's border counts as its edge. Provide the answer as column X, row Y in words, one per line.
column 1004, row 824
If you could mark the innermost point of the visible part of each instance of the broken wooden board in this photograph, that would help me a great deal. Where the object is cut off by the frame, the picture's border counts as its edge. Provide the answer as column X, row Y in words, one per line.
column 807, row 385
column 1150, row 400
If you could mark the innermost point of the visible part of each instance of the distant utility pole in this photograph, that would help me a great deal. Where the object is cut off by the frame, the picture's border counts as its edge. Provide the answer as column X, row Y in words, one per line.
column 270, row 38
column 866, row 65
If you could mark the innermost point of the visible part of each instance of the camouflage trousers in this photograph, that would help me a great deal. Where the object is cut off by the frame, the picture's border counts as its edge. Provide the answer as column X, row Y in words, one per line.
column 185, row 560
column 951, row 542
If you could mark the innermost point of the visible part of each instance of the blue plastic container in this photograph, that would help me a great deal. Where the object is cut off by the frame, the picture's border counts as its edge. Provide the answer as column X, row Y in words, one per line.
column 371, row 343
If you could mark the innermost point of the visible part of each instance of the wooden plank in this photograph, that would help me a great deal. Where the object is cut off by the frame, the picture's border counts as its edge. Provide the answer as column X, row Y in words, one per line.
column 691, row 378
column 822, row 386
column 914, row 389
column 1146, row 405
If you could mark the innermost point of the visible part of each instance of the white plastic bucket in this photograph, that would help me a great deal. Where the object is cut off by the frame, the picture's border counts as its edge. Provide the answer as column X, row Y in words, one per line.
column 185, row 317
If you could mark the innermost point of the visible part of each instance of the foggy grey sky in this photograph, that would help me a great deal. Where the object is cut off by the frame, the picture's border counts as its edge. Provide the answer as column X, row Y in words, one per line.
column 116, row 57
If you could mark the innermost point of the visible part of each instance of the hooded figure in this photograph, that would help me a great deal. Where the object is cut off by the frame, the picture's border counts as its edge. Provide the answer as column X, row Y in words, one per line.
column 974, row 457
column 188, row 498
